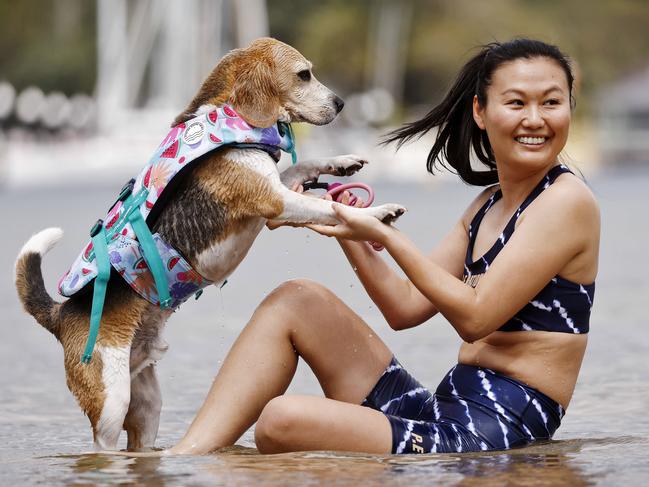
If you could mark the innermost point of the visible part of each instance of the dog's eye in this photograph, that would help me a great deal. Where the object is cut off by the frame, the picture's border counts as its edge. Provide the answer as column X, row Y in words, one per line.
column 304, row 75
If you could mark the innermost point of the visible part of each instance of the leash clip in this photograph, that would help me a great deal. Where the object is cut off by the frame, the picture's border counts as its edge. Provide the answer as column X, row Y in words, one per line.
column 96, row 228
column 127, row 190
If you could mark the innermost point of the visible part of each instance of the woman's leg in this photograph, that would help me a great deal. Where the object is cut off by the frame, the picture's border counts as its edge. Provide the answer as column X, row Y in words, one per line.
column 303, row 423
column 299, row 318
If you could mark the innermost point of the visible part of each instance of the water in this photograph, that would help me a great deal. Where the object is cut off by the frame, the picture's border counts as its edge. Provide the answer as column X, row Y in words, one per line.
column 603, row 439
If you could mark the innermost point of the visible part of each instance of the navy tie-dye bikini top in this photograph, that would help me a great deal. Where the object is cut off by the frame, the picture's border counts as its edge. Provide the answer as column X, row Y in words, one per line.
column 562, row 305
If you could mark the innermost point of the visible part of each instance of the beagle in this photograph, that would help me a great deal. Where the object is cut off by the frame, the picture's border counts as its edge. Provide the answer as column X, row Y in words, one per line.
column 211, row 219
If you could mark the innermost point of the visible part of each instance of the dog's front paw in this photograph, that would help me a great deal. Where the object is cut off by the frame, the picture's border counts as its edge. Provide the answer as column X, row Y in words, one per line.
column 344, row 165
column 389, row 212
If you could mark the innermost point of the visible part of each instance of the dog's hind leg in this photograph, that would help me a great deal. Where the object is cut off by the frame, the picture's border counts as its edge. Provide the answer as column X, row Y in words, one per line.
column 143, row 416
column 116, row 379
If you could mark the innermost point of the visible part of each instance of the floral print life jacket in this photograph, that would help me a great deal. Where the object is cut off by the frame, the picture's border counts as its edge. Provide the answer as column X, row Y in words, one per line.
column 185, row 143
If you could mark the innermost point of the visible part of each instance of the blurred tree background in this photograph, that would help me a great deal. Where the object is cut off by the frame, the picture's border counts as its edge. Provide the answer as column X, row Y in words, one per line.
column 52, row 43
column 48, row 43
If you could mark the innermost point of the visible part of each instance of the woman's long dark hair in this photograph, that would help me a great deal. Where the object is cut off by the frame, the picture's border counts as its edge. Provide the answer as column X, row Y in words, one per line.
column 458, row 133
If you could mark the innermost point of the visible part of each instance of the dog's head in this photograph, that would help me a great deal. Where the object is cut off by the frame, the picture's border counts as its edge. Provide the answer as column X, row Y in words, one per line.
column 266, row 82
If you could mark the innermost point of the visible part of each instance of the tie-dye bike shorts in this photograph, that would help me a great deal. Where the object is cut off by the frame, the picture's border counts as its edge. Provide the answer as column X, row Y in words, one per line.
column 473, row 409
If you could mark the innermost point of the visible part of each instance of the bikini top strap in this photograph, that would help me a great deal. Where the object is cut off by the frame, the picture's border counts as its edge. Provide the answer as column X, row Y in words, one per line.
column 545, row 183
column 475, row 222
column 547, row 180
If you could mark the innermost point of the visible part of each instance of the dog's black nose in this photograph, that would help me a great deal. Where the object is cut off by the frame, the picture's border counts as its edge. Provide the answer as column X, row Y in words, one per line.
column 339, row 103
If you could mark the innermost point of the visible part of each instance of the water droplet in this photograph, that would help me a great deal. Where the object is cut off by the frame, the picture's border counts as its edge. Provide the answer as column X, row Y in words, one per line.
column 355, row 268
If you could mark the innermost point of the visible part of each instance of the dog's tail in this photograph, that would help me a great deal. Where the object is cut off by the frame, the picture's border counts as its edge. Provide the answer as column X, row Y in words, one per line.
column 29, row 279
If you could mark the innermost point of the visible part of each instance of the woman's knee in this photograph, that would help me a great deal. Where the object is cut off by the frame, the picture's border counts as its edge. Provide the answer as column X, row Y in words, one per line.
column 278, row 425
column 302, row 288
column 299, row 294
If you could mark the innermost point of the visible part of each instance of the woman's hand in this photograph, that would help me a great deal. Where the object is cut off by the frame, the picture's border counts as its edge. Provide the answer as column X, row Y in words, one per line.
column 354, row 225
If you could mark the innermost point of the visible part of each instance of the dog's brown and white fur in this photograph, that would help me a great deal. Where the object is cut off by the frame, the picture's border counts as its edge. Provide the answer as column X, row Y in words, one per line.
column 212, row 219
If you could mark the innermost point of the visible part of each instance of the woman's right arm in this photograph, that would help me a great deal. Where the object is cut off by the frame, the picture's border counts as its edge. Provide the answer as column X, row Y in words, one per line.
column 400, row 302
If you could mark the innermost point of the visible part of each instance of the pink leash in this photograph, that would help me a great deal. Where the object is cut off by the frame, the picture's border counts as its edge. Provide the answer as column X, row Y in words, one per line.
column 336, row 191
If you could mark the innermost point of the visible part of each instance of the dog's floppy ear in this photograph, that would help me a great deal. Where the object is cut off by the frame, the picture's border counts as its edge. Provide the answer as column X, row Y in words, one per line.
column 254, row 95
column 243, row 78
column 217, row 88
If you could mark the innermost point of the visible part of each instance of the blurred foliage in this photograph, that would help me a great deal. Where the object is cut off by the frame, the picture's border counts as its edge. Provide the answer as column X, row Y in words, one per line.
column 52, row 43
column 48, row 43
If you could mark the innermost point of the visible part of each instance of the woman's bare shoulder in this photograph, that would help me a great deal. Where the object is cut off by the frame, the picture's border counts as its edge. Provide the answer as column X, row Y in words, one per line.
column 571, row 195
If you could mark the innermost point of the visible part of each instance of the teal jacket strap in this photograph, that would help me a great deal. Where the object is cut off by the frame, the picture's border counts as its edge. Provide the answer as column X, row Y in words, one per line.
column 286, row 130
column 99, row 293
column 292, row 147
column 152, row 257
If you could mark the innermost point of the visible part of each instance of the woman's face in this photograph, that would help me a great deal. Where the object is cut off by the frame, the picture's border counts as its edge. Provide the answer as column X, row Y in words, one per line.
column 527, row 113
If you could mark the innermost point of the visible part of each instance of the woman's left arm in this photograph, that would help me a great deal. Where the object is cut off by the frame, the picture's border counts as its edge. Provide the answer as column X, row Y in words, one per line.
column 548, row 237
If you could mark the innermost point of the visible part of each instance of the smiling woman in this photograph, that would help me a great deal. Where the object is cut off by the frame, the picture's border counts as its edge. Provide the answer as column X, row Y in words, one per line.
column 521, row 306
column 528, row 118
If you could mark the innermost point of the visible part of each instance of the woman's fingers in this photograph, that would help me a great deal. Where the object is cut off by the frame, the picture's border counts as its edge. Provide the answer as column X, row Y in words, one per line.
column 346, row 198
column 349, row 199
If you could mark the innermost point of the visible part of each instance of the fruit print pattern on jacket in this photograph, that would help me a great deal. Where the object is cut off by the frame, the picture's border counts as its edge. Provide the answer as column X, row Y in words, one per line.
column 184, row 143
